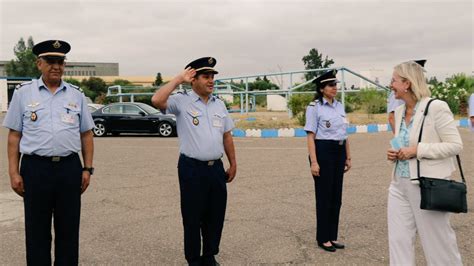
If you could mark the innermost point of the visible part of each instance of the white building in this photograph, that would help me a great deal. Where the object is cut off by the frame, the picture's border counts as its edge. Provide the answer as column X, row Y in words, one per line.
column 372, row 74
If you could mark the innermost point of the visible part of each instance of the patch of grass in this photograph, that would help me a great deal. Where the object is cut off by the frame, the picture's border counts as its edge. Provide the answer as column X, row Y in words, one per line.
column 281, row 120
column 267, row 120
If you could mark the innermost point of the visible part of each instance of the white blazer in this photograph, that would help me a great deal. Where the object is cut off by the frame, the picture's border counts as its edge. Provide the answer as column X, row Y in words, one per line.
column 440, row 140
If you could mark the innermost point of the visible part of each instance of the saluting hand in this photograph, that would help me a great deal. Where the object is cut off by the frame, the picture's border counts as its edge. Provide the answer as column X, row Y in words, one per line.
column 315, row 169
column 17, row 184
column 187, row 75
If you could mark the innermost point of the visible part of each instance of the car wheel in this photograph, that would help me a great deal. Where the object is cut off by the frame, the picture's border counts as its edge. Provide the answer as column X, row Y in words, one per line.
column 165, row 129
column 99, row 129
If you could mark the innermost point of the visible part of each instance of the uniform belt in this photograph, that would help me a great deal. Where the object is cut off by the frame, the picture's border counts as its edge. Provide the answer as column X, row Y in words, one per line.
column 338, row 142
column 50, row 158
column 208, row 163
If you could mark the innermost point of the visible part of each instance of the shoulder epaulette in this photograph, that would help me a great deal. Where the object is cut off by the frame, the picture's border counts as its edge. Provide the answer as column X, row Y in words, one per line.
column 183, row 91
column 76, row 87
column 313, row 103
column 23, row 84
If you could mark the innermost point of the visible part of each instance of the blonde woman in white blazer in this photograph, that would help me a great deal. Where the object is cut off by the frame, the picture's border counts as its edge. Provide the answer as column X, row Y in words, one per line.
column 440, row 143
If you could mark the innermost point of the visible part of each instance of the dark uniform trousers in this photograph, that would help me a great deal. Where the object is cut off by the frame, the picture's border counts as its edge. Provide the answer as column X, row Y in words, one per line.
column 52, row 190
column 203, row 202
column 331, row 157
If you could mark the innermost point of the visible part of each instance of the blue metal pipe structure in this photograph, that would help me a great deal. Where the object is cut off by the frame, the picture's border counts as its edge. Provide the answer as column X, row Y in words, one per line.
column 226, row 83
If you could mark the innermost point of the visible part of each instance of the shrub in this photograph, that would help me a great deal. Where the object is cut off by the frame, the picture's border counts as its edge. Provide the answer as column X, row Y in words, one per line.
column 455, row 92
column 261, row 100
column 297, row 105
column 352, row 102
column 373, row 101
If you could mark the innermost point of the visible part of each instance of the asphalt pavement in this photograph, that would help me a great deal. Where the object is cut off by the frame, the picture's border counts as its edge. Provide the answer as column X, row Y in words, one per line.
column 131, row 213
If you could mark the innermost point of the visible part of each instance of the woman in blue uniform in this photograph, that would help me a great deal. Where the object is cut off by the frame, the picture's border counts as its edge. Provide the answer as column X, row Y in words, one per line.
column 329, row 157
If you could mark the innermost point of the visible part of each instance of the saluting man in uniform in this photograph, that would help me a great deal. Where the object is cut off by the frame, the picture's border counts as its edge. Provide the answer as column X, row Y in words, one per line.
column 49, row 124
column 204, row 130
column 329, row 156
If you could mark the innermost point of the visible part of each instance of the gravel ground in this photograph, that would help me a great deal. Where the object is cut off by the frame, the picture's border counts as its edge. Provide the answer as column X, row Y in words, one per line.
column 131, row 215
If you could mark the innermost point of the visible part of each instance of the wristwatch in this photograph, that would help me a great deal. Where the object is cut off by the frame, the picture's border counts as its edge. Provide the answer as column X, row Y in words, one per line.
column 89, row 169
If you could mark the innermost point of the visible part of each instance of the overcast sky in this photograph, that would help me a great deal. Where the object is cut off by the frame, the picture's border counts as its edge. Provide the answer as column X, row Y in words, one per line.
column 248, row 37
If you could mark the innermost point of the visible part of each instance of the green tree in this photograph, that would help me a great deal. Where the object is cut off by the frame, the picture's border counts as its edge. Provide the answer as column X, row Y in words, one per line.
column 94, row 87
column 262, row 85
column 73, row 81
column 158, row 80
column 455, row 91
column 433, row 81
column 373, row 101
column 25, row 63
column 122, row 82
column 298, row 104
column 314, row 60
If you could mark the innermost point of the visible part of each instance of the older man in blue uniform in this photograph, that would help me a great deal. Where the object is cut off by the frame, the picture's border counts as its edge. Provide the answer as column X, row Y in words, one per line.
column 204, row 131
column 49, row 123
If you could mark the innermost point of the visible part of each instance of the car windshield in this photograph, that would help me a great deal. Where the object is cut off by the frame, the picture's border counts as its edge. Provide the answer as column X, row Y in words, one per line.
column 148, row 109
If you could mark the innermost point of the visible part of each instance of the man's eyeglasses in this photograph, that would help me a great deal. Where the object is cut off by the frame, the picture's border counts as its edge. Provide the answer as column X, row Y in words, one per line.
column 52, row 61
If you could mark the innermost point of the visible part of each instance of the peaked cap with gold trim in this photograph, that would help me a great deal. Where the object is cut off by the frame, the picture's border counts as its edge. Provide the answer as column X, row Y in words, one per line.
column 204, row 64
column 51, row 48
column 326, row 77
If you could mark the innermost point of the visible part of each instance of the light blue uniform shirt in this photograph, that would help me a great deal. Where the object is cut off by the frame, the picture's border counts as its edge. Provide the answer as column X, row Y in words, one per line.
column 471, row 109
column 50, row 123
column 200, row 126
column 327, row 121
column 393, row 103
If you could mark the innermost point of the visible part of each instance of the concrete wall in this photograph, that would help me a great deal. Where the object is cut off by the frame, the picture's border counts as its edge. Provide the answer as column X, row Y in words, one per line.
column 276, row 103
column 3, row 95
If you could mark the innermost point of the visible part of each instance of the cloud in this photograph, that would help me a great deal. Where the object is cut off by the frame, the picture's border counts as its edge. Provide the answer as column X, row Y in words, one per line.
column 248, row 37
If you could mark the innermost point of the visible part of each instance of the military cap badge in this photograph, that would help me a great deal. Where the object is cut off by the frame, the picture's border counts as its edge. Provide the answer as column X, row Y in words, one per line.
column 51, row 48
column 56, row 44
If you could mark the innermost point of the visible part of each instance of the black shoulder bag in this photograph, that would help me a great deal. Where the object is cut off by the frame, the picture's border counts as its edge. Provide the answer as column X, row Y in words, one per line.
column 441, row 194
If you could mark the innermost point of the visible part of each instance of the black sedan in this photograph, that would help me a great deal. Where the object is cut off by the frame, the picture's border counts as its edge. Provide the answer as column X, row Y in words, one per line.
column 131, row 117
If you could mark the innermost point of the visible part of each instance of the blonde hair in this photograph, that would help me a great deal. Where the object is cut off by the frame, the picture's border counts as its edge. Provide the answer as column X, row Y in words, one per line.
column 414, row 73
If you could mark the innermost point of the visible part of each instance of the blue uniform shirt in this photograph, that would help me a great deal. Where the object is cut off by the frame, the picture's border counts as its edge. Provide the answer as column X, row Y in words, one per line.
column 50, row 123
column 327, row 121
column 393, row 103
column 471, row 105
column 200, row 126
column 471, row 109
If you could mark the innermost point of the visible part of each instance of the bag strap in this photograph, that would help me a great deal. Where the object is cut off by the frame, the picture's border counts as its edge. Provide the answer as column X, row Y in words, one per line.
column 419, row 140
column 460, row 168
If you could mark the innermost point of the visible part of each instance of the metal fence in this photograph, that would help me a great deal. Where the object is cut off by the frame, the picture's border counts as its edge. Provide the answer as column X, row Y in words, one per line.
column 226, row 86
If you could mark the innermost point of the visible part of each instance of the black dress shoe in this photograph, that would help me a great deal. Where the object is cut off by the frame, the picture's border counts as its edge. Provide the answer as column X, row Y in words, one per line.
column 338, row 245
column 209, row 261
column 330, row 248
